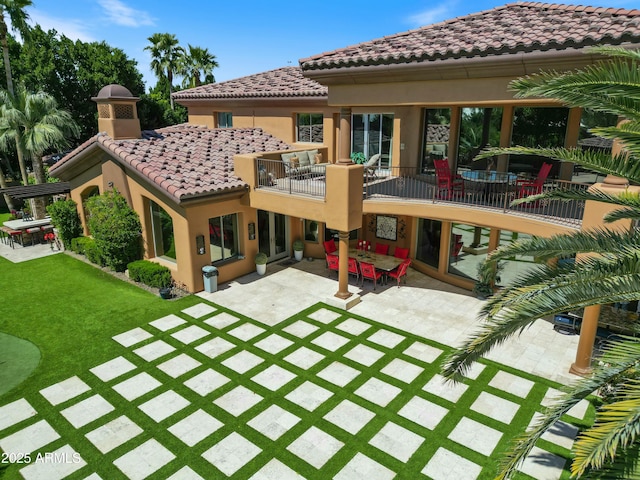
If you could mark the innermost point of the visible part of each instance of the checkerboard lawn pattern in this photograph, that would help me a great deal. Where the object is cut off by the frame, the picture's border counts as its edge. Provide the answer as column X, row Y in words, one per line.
column 208, row 393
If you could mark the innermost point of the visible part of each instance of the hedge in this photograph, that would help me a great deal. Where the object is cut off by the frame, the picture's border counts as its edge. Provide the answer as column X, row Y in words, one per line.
column 150, row 273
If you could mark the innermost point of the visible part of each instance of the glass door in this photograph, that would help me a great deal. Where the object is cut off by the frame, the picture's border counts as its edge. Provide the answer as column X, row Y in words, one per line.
column 272, row 235
column 372, row 133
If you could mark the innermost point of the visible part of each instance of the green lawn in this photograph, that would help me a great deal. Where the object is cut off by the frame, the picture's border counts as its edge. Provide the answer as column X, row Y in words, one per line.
column 71, row 311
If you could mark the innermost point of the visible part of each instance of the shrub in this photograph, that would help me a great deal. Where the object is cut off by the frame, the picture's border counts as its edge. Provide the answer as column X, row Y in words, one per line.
column 150, row 273
column 78, row 244
column 64, row 216
column 116, row 229
column 93, row 253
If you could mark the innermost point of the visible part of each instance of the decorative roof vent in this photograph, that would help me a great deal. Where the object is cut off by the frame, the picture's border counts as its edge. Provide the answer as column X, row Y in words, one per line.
column 117, row 112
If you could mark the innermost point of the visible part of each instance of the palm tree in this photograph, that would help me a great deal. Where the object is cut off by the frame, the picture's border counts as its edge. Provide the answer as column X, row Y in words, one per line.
column 196, row 63
column 166, row 55
column 607, row 270
column 14, row 9
column 33, row 123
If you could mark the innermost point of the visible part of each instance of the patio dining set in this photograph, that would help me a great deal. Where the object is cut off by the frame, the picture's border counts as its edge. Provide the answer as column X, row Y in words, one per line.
column 377, row 265
column 27, row 231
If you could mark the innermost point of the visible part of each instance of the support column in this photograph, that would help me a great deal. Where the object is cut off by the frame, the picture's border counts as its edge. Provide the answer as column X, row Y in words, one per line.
column 588, row 329
column 344, row 149
column 343, row 272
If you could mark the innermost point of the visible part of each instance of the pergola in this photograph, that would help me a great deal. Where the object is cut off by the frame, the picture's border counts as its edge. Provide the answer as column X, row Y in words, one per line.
column 22, row 192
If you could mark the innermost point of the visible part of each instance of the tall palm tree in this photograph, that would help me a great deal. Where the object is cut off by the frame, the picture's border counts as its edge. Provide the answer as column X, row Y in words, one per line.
column 14, row 9
column 608, row 271
column 196, row 63
column 33, row 123
column 166, row 56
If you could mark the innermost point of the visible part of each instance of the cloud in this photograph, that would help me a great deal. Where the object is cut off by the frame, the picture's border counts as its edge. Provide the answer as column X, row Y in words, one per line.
column 432, row 15
column 74, row 29
column 121, row 14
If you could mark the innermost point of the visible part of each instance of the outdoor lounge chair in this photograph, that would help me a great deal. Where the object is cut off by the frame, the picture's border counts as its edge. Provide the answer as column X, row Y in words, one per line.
column 448, row 185
column 371, row 166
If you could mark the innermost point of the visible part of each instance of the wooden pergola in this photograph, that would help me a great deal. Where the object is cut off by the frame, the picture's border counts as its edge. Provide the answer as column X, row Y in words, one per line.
column 22, row 192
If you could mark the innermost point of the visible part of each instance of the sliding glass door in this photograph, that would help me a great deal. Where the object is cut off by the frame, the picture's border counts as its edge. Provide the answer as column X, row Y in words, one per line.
column 372, row 133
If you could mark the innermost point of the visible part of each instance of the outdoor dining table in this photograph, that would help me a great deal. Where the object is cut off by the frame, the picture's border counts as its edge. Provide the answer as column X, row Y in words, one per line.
column 491, row 181
column 381, row 262
column 25, row 224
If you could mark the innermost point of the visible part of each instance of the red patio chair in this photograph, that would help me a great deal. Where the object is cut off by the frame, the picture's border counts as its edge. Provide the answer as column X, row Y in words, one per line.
column 329, row 246
column 401, row 271
column 382, row 249
column 448, row 185
column 401, row 253
column 369, row 272
column 456, row 247
column 333, row 262
column 527, row 187
column 353, row 268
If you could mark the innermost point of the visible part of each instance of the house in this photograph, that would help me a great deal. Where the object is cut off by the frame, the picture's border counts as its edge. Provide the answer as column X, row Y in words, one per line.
column 218, row 189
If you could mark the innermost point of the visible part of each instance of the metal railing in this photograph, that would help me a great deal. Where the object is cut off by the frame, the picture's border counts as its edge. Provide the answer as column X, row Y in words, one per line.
column 302, row 180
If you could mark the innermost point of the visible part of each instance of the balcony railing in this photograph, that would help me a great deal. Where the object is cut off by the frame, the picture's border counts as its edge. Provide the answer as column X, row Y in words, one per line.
column 493, row 191
column 310, row 181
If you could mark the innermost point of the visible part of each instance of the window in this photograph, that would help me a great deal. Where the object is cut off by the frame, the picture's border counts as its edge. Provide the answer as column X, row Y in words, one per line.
column 428, row 244
column 435, row 138
column 372, row 133
column 162, row 230
column 311, row 231
column 225, row 120
column 309, row 128
column 479, row 129
column 223, row 237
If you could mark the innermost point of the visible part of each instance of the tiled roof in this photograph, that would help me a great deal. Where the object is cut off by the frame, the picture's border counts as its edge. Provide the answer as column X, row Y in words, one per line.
column 512, row 28
column 185, row 160
column 283, row 82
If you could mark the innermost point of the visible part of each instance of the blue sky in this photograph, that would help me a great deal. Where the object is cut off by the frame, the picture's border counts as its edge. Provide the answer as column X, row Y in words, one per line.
column 250, row 36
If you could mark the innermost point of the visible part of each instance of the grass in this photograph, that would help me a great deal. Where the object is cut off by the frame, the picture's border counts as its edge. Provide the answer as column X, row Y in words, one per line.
column 71, row 310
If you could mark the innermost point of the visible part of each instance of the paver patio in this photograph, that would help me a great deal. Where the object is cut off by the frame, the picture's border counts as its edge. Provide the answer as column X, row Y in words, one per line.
column 319, row 395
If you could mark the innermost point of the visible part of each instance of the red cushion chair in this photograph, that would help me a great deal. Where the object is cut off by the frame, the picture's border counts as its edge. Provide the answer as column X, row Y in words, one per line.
column 369, row 272
column 401, row 271
column 401, row 253
column 329, row 246
column 333, row 262
column 353, row 268
column 382, row 249
column 449, row 185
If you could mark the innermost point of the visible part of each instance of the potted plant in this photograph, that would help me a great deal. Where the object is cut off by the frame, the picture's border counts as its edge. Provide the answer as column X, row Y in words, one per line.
column 298, row 249
column 166, row 292
column 358, row 157
column 261, row 263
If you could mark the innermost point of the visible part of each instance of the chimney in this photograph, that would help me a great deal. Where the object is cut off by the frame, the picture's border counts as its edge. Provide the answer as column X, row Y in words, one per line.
column 117, row 112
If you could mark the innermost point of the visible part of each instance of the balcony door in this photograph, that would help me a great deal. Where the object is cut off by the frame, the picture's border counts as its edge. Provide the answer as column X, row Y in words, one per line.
column 272, row 235
column 372, row 133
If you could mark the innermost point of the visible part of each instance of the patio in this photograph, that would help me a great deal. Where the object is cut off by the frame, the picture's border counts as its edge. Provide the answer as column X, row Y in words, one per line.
column 271, row 388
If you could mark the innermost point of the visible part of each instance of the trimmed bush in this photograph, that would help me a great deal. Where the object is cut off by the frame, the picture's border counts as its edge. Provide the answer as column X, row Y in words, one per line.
column 150, row 273
column 78, row 244
column 64, row 216
column 93, row 253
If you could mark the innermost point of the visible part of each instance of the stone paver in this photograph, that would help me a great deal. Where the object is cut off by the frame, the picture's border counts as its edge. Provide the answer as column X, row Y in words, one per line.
column 562, row 434
column 397, row 441
column 512, row 383
column 190, row 334
column 238, row 400
column 579, row 410
column 51, row 467
column 199, row 310
column 214, row 347
column 86, row 411
column 445, row 465
column 206, row 382
column 246, row 331
column 137, row 386
column 273, row 377
column 402, row 370
column 164, row 405
column 243, row 362
column 330, row 341
column 167, row 323
column 349, row 416
column 495, row 407
column 185, row 473
column 112, row 369
column 309, row 396
column 474, row 372
column 29, row 439
column 304, row 358
column 15, row 412
column 378, row 392
column 315, row 447
column 133, row 336
column 273, row 422
column 65, row 390
column 475, row 436
column 542, row 465
column 195, row 427
column 274, row 344
column 113, row 434
column 353, row 326
column 231, row 453
column 179, row 365
column 423, row 352
column 324, row 315
column 275, row 469
column 447, row 390
column 143, row 460
column 300, row 329
column 423, row 412
column 222, row 320
column 339, row 374
column 361, row 467
column 364, row 355
column 154, row 350
column 386, row 338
